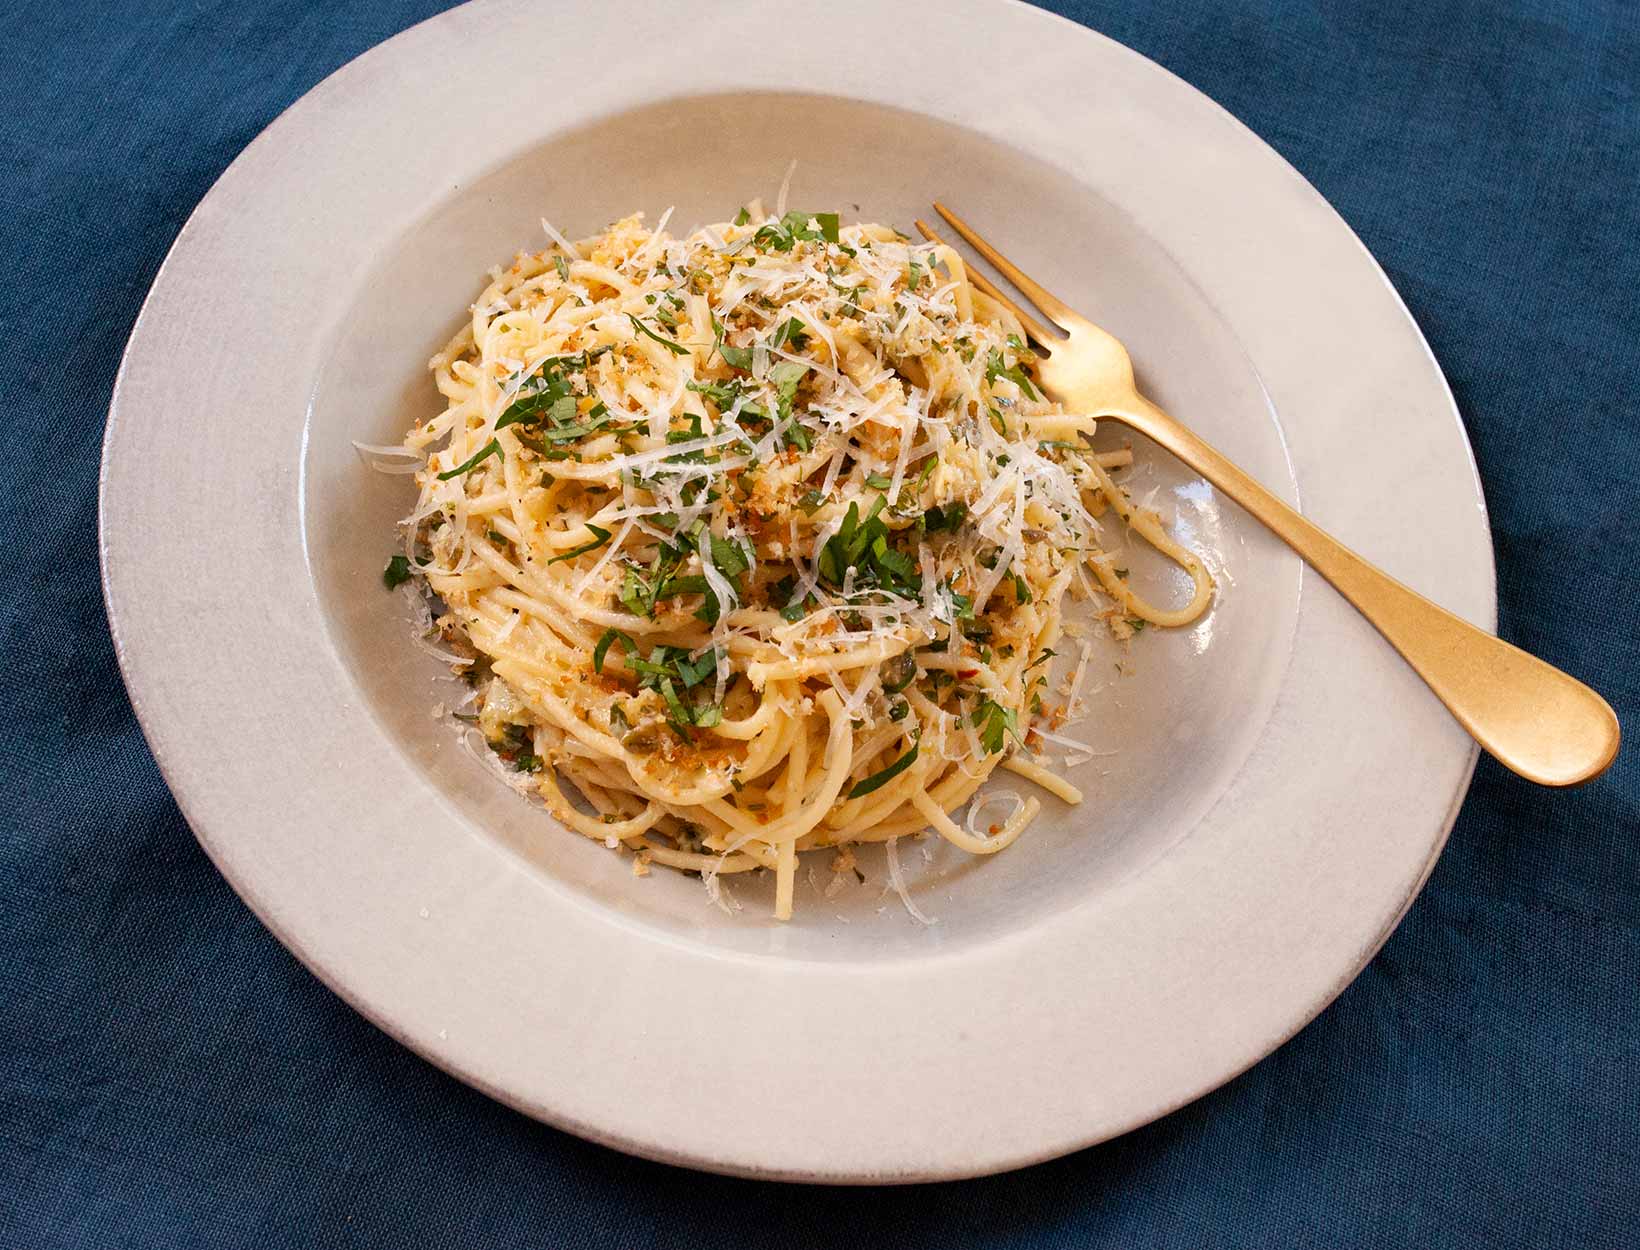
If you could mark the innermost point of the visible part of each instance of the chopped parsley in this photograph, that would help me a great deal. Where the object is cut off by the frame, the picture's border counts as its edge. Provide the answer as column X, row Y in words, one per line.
column 784, row 234
column 1047, row 654
column 995, row 723
column 996, row 367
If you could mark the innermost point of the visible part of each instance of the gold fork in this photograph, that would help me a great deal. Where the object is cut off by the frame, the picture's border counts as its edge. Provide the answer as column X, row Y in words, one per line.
column 1533, row 718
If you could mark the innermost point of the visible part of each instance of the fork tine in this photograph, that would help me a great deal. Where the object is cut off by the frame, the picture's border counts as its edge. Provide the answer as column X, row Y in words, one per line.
column 1033, row 327
column 1056, row 309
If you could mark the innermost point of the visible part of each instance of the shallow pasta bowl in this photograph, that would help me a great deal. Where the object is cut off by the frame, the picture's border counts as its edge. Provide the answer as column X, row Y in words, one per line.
column 1272, row 785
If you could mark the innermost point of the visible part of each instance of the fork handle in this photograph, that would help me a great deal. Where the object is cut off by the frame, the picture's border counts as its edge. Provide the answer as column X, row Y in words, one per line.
column 1531, row 717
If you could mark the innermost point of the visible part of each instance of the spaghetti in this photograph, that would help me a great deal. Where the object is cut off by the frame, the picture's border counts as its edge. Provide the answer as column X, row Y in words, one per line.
column 757, row 541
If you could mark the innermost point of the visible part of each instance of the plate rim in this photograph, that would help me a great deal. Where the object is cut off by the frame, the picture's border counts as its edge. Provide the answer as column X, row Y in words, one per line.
column 251, row 891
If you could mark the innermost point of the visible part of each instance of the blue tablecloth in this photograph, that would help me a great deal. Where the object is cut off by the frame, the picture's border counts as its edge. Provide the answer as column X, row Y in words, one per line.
column 170, row 1076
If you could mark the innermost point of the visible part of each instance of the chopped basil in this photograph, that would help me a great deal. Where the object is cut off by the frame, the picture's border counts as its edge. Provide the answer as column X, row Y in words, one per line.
column 879, row 779
column 665, row 670
column 602, row 537
column 671, row 345
column 491, row 448
column 729, row 557
column 899, row 672
column 790, row 334
column 602, row 649
column 786, row 376
column 863, row 546
column 782, row 235
column 949, row 517
column 397, row 572
column 736, row 357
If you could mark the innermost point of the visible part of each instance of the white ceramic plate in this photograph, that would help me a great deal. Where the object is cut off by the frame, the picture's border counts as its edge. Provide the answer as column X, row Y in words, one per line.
column 1280, row 784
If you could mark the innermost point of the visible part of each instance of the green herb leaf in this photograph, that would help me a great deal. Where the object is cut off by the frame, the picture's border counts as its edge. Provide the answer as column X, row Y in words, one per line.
column 742, row 217
column 994, row 722
column 877, row 481
column 790, row 333
column 736, row 357
column 729, row 557
column 671, row 345
column 947, row 517
column 491, row 448
column 783, row 234
column 899, row 672
column 602, row 537
column 635, row 594
column 602, row 649
column 996, row 367
column 561, row 263
column 881, row 778
column 397, row 572
column 786, row 376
